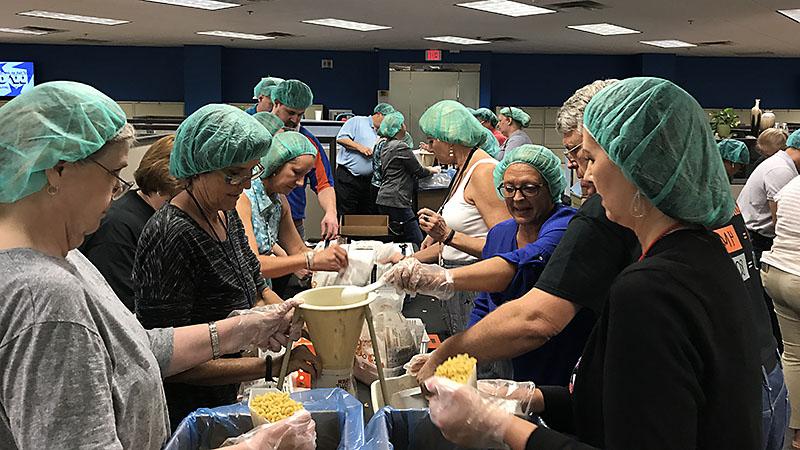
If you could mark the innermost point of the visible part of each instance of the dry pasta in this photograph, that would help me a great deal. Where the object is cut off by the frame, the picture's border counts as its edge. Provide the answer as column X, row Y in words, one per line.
column 457, row 368
column 274, row 406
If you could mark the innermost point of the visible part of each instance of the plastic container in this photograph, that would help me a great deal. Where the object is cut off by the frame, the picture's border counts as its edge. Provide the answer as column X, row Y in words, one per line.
column 404, row 429
column 339, row 419
column 403, row 391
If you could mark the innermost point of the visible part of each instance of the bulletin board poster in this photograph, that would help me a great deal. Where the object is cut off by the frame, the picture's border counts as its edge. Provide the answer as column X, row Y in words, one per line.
column 15, row 78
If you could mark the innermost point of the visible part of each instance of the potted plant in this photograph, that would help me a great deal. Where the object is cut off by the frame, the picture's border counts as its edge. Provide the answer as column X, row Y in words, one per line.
column 722, row 122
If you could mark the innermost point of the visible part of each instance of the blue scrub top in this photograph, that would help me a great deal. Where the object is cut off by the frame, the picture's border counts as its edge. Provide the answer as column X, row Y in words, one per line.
column 552, row 363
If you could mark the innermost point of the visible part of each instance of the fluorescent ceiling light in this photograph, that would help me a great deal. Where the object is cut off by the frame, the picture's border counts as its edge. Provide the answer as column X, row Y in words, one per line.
column 668, row 43
column 603, row 29
column 506, row 8
column 793, row 14
column 210, row 5
column 72, row 17
column 456, row 40
column 235, row 35
column 346, row 24
column 22, row 31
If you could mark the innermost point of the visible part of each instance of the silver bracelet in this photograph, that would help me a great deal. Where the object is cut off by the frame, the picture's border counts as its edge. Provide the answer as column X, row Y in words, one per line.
column 212, row 330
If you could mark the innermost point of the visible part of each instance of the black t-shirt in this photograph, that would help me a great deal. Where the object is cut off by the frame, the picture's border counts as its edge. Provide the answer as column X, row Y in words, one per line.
column 673, row 360
column 112, row 247
column 593, row 251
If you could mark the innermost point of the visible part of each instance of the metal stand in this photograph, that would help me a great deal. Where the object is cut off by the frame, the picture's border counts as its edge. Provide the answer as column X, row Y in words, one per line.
column 378, row 364
column 296, row 318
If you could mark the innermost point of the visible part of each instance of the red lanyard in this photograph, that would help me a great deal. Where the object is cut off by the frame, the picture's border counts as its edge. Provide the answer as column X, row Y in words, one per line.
column 669, row 230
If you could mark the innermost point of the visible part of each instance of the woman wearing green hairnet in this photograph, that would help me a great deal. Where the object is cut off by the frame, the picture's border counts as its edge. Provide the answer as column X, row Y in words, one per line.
column 510, row 123
column 79, row 371
column 489, row 121
column 398, row 170
column 267, row 217
column 193, row 262
column 673, row 361
column 457, row 232
column 531, row 182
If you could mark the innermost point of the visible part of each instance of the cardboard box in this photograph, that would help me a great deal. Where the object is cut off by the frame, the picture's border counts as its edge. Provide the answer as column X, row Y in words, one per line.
column 365, row 225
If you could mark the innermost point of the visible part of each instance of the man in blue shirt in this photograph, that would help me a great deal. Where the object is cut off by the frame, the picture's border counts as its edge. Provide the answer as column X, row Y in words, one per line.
column 356, row 140
column 291, row 98
column 262, row 94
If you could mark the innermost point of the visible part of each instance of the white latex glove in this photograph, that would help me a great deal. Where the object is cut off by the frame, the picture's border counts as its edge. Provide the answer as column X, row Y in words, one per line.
column 522, row 392
column 464, row 416
column 297, row 432
column 413, row 277
column 269, row 326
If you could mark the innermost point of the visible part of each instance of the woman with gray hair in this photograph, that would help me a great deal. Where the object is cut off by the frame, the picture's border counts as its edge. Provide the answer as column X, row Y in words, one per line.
column 79, row 371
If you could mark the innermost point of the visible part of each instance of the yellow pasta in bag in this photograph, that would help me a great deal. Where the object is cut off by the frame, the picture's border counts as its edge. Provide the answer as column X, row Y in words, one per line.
column 274, row 406
column 458, row 368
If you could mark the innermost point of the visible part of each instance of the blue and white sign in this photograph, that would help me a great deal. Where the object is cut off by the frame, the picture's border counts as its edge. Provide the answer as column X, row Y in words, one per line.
column 15, row 78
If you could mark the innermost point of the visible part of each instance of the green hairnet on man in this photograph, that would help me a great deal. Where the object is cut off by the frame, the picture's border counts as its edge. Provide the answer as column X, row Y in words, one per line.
column 271, row 122
column 510, row 123
column 489, row 121
column 216, row 137
column 262, row 94
column 735, row 155
column 55, row 121
column 540, row 158
column 383, row 108
column 640, row 117
column 357, row 139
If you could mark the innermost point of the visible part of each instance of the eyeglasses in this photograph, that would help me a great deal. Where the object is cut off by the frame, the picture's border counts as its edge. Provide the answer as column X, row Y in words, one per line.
column 237, row 180
column 510, row 191
column 120, row 188
column 569, row 152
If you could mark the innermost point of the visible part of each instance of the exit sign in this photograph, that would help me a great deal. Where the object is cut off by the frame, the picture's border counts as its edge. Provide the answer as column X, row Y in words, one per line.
column 433, row 55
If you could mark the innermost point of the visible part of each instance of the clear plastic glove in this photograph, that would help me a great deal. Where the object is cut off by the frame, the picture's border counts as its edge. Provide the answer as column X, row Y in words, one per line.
column 464, row 416
column 413, row 277
column 417, row 361
column 522, row 392
column 270, row 326
column 297, row 432
column 435, row 169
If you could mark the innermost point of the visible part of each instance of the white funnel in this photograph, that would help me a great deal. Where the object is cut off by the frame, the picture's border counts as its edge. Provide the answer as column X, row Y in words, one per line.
column 334, row 326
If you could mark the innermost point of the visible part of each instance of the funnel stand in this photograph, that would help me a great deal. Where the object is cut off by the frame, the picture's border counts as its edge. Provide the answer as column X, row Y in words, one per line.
column 296, row 318
column 378, row 364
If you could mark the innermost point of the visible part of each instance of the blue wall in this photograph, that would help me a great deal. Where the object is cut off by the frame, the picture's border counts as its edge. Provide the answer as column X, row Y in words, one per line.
column 201, row 74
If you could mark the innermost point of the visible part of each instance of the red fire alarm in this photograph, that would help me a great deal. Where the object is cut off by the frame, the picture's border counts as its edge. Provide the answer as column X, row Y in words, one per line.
column 433, row 55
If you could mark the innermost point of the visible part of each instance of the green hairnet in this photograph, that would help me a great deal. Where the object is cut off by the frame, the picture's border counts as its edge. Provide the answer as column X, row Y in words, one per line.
column 659, row 137
column 794, row 140
column 471, row 110
column 383, row 108
column 262, row 88
column 449, row 121
column 270, row 121
column 285, row 147
column 517, row 115
column 487, row 115
column 293, row 93
column 489, row 143
column 540, row 158
column 215, row 137
column 734, row 151
column 56, row 121
column 391, row 124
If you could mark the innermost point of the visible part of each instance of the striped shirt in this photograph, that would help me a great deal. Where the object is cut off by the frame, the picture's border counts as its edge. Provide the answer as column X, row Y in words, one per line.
column 183, row 276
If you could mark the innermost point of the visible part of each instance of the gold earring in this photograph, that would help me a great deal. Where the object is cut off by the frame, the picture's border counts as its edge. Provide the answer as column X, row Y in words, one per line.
column 52, row 190
column 452, row 154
